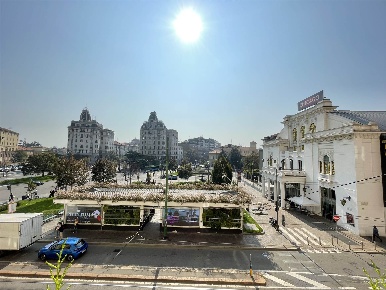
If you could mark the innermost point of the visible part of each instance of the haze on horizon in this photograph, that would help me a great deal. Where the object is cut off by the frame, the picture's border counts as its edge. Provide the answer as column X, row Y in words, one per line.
column 252, row 63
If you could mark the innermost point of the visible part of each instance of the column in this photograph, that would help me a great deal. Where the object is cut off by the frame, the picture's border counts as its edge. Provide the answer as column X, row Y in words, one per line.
column 282, row 193
column 263, row 185
column 275, row 188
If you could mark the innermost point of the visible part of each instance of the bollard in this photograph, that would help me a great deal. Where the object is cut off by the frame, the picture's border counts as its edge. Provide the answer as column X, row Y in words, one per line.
column 308, row 243
column 332, row 240
column 336, row 240
column 250, row 265
column 320, row 241
column 349, row 246
column 362, row 246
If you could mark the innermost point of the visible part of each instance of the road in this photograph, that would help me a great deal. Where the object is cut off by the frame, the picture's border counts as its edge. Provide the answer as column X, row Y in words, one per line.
column 282, row 269
column 21, row 189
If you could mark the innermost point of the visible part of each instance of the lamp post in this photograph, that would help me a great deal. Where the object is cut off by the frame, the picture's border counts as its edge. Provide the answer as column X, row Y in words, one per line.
column 166, row 190
column 277, row 201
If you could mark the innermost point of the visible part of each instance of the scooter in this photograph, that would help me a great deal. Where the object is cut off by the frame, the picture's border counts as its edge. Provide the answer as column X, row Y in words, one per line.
column 274, row 223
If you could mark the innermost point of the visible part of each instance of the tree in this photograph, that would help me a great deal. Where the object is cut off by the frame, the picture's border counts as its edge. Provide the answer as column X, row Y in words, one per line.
column 70, row 172
column 185, row 170
column 134, row 162
column 19, row 156
column 222, row 170
column 172, row 164
column 40, row 163
column 251, row 163
column 235, row 158
column 103, row 171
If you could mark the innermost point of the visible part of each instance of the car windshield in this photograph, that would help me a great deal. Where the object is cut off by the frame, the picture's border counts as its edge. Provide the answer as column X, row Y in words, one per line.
column 80, row 243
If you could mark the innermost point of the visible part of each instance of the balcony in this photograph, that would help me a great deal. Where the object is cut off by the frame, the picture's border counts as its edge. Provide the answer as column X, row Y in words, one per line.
column 326, row 177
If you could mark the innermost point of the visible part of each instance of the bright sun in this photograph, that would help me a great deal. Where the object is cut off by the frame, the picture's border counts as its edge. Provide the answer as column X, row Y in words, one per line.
column 188, row 25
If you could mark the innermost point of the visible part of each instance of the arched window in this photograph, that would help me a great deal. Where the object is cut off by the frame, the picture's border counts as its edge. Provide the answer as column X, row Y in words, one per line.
column 283, row 164
column 312, row 128
column 291, row 164
column 294, row 134
column 326, row 161
column 302, row 131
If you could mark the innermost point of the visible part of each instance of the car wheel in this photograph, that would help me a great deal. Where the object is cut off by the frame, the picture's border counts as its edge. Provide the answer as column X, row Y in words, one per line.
column 70, row 258
column 43, row 257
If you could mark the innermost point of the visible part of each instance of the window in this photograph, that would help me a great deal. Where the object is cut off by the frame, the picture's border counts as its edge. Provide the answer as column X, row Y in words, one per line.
column 326, row 161
column 291, row 164
column 302, row 130
column 303, row 147
column 312, row 128
column 320, row 166
column 283, row 164
column 300, row 165
column 294, row 135
column 332, row 168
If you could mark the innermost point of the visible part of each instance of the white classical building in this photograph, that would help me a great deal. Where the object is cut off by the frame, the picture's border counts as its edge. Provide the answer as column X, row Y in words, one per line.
column 330, row 162
column 87, row 138
column 153, row 139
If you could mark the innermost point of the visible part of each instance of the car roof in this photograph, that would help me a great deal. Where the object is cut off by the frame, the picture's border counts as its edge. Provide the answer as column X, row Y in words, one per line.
column 70, row 240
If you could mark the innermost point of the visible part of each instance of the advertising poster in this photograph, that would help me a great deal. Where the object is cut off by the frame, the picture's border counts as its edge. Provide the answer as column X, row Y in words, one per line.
column 350, row 219
column 85, row 214
column 183, row 217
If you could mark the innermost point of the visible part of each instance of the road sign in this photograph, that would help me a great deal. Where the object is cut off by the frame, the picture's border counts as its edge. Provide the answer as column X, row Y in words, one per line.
column 336, row 218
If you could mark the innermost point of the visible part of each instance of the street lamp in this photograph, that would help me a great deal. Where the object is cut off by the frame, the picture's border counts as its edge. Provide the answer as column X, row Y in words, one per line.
column 166, row 190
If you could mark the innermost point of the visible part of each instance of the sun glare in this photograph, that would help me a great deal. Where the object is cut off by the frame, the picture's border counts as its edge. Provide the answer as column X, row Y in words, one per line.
column 188, row 25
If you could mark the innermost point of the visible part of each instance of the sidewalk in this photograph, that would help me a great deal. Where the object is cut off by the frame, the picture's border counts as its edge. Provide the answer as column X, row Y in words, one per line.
column 341, row 238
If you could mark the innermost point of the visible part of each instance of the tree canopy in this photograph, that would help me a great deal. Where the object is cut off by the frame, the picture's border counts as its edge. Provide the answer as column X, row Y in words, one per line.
column 235, row 158
column 71, row 172
column 222, row 170
column 185, row 170
column 103, row 171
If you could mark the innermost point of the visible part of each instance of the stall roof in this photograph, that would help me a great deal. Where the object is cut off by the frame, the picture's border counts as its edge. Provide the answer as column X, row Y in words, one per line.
column 303, row 201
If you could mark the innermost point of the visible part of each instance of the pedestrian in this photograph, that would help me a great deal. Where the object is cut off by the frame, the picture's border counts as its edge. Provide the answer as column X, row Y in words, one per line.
column 76, row 221
column 376, row 234
column 60, row 229
column 11, row 198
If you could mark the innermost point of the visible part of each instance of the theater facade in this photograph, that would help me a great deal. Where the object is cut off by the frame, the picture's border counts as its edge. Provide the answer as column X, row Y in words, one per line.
column 331, row 163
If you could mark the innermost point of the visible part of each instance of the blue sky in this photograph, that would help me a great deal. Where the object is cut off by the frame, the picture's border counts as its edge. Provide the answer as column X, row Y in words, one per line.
column 122, row 60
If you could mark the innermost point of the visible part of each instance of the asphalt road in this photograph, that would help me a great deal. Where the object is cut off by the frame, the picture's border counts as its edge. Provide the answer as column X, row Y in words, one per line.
column 21, row 189
column 282, row 269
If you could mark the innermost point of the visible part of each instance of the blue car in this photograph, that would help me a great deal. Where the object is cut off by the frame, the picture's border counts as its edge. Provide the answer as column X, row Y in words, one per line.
column 73, row 248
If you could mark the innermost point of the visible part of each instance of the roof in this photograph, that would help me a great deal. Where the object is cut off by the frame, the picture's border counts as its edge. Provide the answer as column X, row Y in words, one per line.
column 365, row 117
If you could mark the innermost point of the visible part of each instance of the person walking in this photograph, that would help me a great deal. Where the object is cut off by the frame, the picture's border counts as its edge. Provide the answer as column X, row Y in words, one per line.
column 60, row 229
column 76, row 221
column 376, row 234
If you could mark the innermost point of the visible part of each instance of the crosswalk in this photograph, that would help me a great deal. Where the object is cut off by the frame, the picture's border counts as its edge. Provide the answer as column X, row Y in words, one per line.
column 303, row 238
column 298, row 280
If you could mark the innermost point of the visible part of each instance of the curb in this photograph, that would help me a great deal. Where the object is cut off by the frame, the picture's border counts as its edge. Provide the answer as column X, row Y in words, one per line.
column 256, row 280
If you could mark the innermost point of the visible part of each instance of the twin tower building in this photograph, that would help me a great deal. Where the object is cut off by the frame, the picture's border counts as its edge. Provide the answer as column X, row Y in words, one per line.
column 88, row 138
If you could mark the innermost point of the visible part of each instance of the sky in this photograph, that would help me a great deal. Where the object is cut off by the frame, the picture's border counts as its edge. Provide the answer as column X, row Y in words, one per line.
column 254, row 61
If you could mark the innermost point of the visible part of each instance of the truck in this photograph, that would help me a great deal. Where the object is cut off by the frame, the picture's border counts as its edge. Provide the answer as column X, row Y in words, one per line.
column 19, row 230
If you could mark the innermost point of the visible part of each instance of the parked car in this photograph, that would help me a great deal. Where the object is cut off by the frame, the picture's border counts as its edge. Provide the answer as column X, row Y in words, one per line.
column 38, row 183
column 173, row 177
column 73, row 248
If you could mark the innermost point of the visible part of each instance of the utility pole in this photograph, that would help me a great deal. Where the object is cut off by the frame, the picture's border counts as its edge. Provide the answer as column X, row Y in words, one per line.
column 166, row 190
column 277, row 201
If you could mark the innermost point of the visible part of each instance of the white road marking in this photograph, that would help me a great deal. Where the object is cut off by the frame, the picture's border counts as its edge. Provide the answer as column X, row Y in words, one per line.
column 308, row 280
column 307, row 237
column 297, row 235
column 315, row 237
column 290, row 236
column 277, row 280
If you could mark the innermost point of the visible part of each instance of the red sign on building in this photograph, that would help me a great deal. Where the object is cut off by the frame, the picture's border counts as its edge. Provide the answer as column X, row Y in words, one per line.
column 336, row 218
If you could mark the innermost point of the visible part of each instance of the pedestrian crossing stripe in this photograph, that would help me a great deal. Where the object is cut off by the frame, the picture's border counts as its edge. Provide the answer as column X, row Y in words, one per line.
column 308, row 280
column 277, row 280
column 302, row 236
